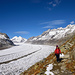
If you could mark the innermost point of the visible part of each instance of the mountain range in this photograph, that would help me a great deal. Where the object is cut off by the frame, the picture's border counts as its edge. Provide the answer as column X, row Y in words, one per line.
column 49, row 37
column 54, row 36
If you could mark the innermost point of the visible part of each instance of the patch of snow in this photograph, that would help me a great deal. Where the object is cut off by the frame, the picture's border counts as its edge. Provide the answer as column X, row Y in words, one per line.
column 50, row 67
column 69, row 26
column 52, row 33
column 34, row 38
column 60, row 28
column 2, row 37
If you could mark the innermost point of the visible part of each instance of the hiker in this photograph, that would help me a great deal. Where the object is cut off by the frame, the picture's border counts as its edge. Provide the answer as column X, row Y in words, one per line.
column 57, row 53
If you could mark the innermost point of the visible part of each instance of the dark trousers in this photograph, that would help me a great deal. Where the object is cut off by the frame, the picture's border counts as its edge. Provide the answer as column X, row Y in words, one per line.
column 57, row 56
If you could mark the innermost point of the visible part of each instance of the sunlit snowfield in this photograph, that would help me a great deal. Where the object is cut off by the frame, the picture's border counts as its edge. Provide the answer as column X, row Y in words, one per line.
column 19, row 58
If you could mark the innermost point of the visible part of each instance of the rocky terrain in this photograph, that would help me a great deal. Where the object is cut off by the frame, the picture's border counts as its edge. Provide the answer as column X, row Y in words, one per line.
column 54, row 36
column 5, row 41
column 65, row 67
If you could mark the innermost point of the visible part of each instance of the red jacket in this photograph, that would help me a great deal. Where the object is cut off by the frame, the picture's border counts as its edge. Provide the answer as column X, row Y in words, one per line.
column 57, row 51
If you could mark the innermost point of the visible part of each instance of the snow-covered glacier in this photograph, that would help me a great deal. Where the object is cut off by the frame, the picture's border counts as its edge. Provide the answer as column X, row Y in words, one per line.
column 19, row 58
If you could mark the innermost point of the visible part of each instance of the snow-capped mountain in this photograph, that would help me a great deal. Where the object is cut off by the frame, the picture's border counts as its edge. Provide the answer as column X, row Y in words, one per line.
column 5, row 41
column 18, row 39
column 54, row 34
column 3, row 36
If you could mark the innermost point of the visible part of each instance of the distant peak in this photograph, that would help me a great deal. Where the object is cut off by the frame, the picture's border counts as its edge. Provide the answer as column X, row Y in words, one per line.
column 15, row 36
column 48, row 30
column 60, row 28
column 70, row 25
column 18, row 39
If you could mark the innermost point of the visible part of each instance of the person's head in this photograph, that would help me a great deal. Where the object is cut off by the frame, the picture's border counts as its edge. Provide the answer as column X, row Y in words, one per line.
column 57, row 46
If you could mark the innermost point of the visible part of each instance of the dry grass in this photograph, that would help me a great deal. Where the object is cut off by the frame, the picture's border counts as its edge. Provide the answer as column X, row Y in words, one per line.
column 71, row 66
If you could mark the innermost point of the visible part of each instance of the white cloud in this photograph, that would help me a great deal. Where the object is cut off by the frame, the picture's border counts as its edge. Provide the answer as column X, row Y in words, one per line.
column 22, row 32
column 57, row 1
column 53, row 24
column 49, row 8
column 72, row 22
column 49, row 27
column 54, row 5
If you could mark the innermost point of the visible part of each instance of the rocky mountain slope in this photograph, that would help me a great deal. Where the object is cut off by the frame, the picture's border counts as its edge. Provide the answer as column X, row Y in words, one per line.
column 65, row 67
column 5, row 41
column 18, row 39
column 53, row 36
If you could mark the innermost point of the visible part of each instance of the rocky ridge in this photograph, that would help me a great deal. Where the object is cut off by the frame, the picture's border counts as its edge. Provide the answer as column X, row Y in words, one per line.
column 65, row 67
column 54, row 36
column 5, row 41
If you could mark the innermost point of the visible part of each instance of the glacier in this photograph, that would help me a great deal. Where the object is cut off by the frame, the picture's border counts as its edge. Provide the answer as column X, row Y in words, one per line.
column 17, row 59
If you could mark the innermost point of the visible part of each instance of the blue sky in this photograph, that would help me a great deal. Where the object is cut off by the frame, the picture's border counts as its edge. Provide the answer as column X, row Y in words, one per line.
column 29, row 18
